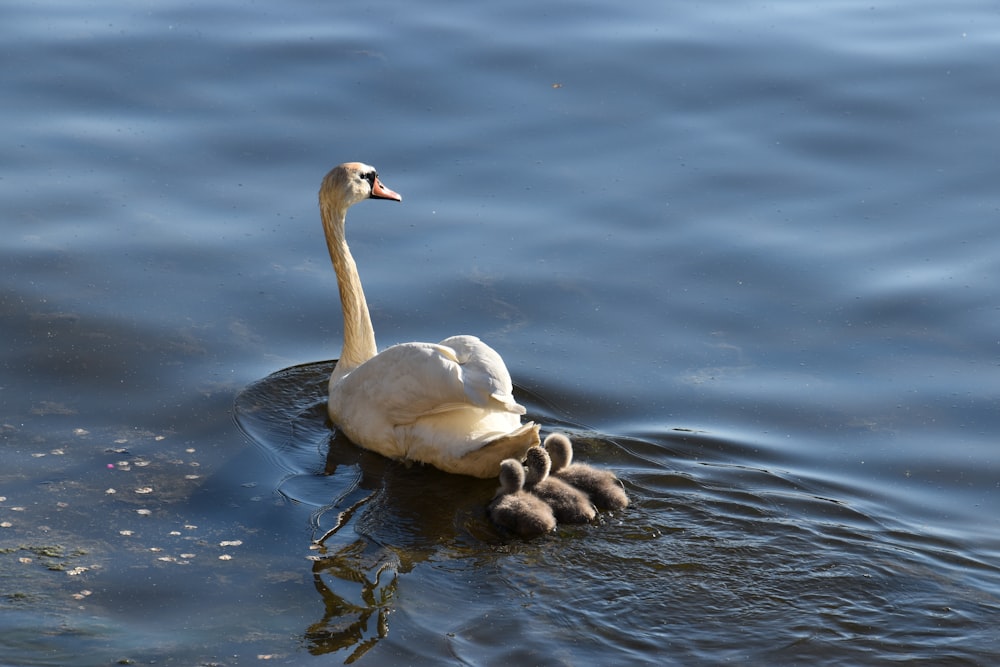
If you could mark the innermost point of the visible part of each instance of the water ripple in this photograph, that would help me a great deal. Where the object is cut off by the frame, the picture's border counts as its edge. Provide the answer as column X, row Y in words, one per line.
column 790, row 565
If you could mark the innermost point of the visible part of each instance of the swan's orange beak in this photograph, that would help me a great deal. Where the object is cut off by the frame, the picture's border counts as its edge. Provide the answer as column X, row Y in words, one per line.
column 379, row 191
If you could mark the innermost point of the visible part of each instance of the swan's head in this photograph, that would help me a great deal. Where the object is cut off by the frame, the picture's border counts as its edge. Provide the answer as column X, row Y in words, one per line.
column 511, row 476
column 538, row 464
column 560, row 450
column 351, row 182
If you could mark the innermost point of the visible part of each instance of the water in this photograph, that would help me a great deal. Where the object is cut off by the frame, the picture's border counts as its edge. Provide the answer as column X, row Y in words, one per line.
column 746, row 255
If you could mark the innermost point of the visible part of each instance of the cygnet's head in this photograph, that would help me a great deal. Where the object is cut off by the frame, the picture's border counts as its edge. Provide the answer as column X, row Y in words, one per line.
column 538, row 463
column 351, row 182
column 511, row 476
column 560, row 451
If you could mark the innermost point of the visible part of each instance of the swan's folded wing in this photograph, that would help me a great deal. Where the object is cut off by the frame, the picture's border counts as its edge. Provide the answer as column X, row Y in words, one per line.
column 484, row 374
column 412, row 380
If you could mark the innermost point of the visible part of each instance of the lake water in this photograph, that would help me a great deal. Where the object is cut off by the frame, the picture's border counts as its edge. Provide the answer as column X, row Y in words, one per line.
column 746, row 254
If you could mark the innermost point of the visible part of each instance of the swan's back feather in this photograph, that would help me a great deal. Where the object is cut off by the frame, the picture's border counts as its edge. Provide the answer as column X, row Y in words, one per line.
column 436, row 403
column 484, row 375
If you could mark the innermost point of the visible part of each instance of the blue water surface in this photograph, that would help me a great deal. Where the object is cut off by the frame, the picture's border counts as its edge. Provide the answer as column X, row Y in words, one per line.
column 746, row 255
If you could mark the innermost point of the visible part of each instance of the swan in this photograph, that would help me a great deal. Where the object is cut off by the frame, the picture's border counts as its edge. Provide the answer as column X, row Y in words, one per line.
column 569, row 505
column 447, row 404
column 603, row 488
column 517, row 510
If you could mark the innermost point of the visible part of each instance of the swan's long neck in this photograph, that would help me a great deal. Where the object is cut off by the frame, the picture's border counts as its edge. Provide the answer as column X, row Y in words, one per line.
column 359, row 335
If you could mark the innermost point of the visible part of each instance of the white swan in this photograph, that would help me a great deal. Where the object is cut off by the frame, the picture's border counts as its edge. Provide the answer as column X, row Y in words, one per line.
column 449, row 404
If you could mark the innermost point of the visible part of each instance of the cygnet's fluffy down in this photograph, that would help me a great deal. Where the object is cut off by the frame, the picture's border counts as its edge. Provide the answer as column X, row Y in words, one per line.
column 515, row 509
column 569, row 505
column 601, row 486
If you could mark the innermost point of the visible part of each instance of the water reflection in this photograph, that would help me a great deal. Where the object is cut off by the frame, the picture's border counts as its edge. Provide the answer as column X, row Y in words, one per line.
column 373, row 518
column 357, row 584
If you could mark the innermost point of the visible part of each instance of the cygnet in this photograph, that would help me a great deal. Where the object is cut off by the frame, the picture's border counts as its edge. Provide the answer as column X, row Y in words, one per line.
column 569, row 505
column 515, row 509
column 602, row 487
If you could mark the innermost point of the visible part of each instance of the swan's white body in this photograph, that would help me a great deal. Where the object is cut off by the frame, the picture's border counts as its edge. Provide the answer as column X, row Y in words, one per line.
column 449, row 404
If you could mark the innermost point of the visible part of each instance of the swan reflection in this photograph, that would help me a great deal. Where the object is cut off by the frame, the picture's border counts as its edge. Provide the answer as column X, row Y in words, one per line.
column 373, row 519
column 357, row 584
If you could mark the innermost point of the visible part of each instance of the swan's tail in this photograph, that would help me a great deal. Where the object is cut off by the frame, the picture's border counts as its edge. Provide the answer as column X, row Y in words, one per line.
column 485, row 461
